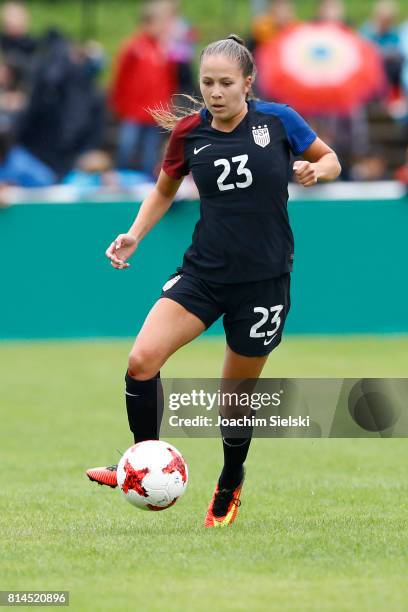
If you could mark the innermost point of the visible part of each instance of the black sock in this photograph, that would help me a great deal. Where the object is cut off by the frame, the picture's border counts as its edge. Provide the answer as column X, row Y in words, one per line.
column 144, row 404
column 235, row 453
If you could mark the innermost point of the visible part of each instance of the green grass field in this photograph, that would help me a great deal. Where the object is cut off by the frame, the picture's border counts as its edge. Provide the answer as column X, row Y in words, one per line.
column 323, row 524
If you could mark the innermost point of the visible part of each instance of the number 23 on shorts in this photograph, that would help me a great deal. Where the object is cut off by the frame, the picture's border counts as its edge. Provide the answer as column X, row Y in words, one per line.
column 269, row 317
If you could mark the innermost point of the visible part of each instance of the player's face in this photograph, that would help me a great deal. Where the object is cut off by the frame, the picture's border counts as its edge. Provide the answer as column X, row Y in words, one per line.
column 223, row 87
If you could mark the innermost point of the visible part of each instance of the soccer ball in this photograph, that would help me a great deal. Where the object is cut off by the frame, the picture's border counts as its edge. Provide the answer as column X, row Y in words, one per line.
column 152, row 475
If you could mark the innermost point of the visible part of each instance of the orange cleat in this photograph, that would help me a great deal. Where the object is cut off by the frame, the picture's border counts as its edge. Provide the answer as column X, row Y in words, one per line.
column 104, row 475
column 223, row 508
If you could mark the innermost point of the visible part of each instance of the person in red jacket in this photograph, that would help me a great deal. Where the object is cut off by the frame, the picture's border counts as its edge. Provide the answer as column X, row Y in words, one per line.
column 145, row 78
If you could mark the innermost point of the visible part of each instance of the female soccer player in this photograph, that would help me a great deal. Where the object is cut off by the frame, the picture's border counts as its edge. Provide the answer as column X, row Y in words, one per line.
column 239, row 263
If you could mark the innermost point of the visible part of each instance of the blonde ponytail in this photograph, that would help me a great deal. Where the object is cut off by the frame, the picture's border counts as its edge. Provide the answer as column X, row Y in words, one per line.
column 168, row 117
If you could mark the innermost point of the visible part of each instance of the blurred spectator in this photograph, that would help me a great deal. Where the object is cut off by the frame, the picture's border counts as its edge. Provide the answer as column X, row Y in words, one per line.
column 19, row 167
column 94, row 170
column 91, row 55
column 16, row 45
column 13, row 99
column 348, row 133
column 383, row 31
column 65, row 111
column 371, row 167
column 332, row 11
column 182, row 38
column 145, row 78
column 50, row 103
column 279, row 15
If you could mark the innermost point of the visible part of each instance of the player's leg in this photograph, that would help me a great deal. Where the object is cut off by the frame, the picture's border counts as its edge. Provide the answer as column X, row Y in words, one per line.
column 187, row 306
column 167, row 327
column 240, row 366
column 185, row 309
column 239, row 373
column 247, row 370
column 253, row 326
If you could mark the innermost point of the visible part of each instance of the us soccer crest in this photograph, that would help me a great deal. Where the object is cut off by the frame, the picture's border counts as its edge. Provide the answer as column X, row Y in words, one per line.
column 261, row 135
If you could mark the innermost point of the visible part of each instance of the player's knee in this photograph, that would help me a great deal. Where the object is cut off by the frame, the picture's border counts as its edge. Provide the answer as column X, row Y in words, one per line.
column 143, row 363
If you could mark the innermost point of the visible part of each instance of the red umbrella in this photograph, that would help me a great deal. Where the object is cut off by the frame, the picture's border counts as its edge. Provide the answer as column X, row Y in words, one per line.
column 320, row 68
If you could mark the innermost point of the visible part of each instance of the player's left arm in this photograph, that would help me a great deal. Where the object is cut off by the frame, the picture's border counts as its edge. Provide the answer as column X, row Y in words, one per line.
column 320, row 163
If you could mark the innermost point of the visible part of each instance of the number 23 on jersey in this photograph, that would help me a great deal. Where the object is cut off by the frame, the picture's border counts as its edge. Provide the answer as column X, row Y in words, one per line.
column 240, row 171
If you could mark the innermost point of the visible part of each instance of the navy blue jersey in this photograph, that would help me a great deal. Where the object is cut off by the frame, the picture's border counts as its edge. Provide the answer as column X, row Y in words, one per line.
column 243, row 233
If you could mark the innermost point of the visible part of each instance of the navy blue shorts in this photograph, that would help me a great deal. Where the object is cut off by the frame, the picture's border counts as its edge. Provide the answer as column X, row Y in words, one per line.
column 254, row 313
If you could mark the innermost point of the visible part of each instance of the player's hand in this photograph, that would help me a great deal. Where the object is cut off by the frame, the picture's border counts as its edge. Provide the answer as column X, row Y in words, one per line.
column 120, row 250
column 305, row 173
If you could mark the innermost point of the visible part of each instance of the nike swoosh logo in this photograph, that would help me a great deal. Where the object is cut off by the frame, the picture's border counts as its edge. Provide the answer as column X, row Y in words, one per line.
column 131, row 394
column 201, row 148
column 266, row 342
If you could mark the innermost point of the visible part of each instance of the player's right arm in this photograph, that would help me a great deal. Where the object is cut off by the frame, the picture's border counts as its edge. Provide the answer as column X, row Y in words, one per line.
column 151, row 211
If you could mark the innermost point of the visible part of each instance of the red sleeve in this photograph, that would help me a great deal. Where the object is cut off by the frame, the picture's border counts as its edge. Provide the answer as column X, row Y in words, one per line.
column 175, row 164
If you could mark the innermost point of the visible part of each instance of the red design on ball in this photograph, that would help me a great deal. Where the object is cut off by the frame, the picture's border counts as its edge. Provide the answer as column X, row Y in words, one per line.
column 176, row 465
column 133, row 480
